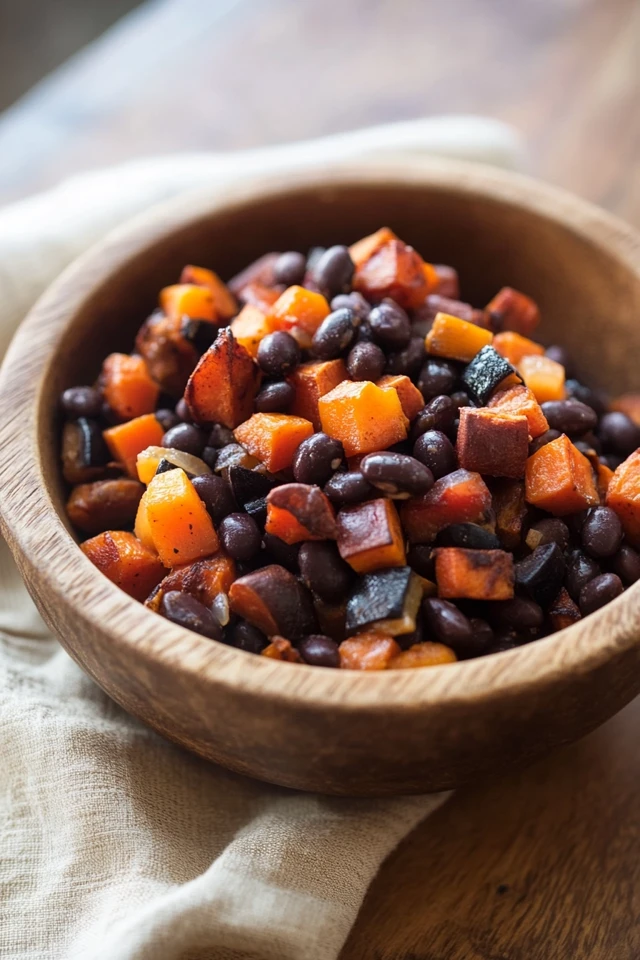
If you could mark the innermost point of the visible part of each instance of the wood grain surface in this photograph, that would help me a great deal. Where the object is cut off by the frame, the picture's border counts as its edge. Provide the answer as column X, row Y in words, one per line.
column 540, row 865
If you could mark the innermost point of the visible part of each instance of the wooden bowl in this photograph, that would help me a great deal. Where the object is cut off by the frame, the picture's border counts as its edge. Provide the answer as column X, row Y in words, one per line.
column 337, row 732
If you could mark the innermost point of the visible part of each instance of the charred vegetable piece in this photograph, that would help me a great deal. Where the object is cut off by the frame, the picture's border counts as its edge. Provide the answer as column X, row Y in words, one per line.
column 104, row 505
column 370, row 536
column 125, row 561
column 468, row 535
column 151, row 459
column 520, row 401
column 84, row 452
column 541, row 574
column 203, row 579
column 386, row 602
column 258, row 511
column 456, row 339
column 273, row 438
column 544, row 376
column 474, row 574
column 485, row 373
column 363, row 417
column 511, row 510
column 563, row 612
column 127, row 440
column 492, row 443
column 274, row 601
column 300, row 511
column 424, row 654
column 623, row 496
column 224, row 384
column 559, row 479
column 512, row 310
column 458, row 497
column 247, row 485
column 310, row 381
column 175, row 520
column 127, row 386
column 169, row 354
column 281, row 649
column 368, row 651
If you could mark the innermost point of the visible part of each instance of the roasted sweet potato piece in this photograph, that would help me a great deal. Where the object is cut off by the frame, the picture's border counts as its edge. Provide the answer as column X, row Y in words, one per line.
column 544, row 377
column 169, row 355
column 273, row 600
column 281, row 649
column 173, row 517
column 456, row 339
column 559, row 479
column 224, row 304
column 370, row 536
column 368, row 651
column 510, row 508
column 85, row 455
column 311, row 381
column 127, row 386
column 300, row 312
column 363, row 417
column 224, row 384
column 411, row 400
column 127, row 440
column 202, row 579
column 273, row 438
column 249, row 327
column 459, row 497
column 474, row 574
column 425, row 654
column 395, row 270
column 563, row 612
column 363, row 250
column 104, row 505
column 188, row 300
column 628, row 403
column 512, row 310
column 260, row 271
column 385, row 602
column 623, row 496
column 300, row 511
column 492, row 443
column 513, row 346
column 448, row 281
column 519, row 400
column 256, row 294
column 125, row 561
column 437, row 303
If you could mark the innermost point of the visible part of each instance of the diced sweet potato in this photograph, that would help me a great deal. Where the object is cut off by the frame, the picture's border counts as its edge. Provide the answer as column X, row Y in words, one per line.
column 364, row 249
column 273, row 438
column 368, row 651
column 256, row 294
column 169, row 355
column 520, row 401
column 363, row 417
column 510, row 509
column 104, row 505
column 559, row 479
column 188, row 300
column 474, row 574
column 149, row 459
column 513, row 346
column 563, row 612
column 411, row 400
column 544, row 377
column 311, row 381
column 127, row 386
column 395, row 270
column 126, row 440
column 370, row 536
column 281, row 649
column 125, row 561
column 202, row 579
column 300, row 312
column 628, row 403
column 249, row 327
column 175, row 519
column 425, row 654
column 437, row 303
column 300, row 511
column 623, row 496
column 224, row 303
column 224, row 384
column 273, row 600
column 456, row 339
column 512, row 310
column 492, row 443
column 459, row 497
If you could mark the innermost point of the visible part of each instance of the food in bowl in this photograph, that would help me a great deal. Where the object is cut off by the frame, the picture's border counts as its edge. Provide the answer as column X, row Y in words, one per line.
column 334, row 460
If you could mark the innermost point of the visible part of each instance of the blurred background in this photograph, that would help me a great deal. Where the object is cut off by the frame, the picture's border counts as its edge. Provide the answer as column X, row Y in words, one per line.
column 88, row 82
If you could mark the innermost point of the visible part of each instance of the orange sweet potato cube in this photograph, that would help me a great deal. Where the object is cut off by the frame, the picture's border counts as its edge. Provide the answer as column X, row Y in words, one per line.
column 249, row 327
column 512, row 310
column 127, row 386
column 474, row 574
column 559, row 479
column 425, row 654
column 370, row 536
column 273, row 438
column 510, row 507
column 456, row 339
column 395, row 270
column 544, row 377
column 224, row 303
column 126, row 440
column 459, row 497
column 224, row 384
column 368, row 651
column 300, row 312
column 173, row 517
column 364, row 249
column 520, row 401
column 513, row 346
column 203, row 579
column 492, row 443
column 310, row 381
column 563, row 612
column 363, row 417
column 281, row 649
column 125, row 561
column 410, row 397
column 188, row 300
column 623, row 496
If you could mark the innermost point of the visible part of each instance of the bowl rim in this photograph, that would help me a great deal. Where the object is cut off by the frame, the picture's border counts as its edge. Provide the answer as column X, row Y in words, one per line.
column 72, row 579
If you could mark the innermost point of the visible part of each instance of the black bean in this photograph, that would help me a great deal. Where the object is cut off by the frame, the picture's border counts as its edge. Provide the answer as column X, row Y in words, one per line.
column 289, row 268
column 449, row 625
column 333, row 271
column 365, row 362
column 570, row 416
column 601, row 532
column 240, row 535
column 82, row 402
column 275, row 397
column 185, row 610
column 420, row 558
column 469, row 536
column 626, row 564
column 364, row 333
column 167, row 419
column 220, row 436
column 520, row 614
column 408, row 361
column 461, row 399
column 319, row 651
column 182, row 411
column 580, row 570
column 503, row 643
column 575, row 522
column 210, row 456
column 391, row 325
column 437, row 377
column 593, row 398
column 278, row 354
column 216, row 495
column 561, row 356
column 354, row 301
column 245, row 636
column 316, row 459
column 599, row 591
column 552, row 530
column 439, row 414
column 284, row 554
column 396, row 474
column 436, row 451
column 548, row 437
column 482, row 636
column 186, row 437
column 313, row 256
column 324, row 571
column 541, row 574
column 247, row 485
column 344, row 489
column 201, row 333
column 334, row 334
column 611, row 460
column 618, row 433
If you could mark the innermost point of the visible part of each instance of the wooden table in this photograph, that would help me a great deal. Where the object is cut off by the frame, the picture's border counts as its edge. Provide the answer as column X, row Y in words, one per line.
column 540, row 865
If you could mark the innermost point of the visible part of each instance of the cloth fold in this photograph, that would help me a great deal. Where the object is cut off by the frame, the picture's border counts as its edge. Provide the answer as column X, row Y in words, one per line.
column 115, row 845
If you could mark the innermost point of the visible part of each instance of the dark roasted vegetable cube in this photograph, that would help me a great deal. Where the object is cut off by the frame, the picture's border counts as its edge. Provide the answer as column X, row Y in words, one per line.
column 541, row 574
column 386, row 602
column 485, row 372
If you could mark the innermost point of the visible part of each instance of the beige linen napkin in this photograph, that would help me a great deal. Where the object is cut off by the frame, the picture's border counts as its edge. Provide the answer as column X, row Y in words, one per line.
column 115, row 845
